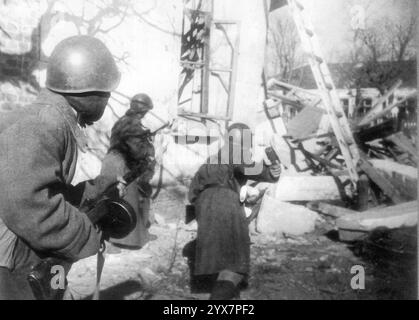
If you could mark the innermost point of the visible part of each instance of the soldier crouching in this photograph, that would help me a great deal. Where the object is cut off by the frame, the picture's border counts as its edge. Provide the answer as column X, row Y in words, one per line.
column 39, row 215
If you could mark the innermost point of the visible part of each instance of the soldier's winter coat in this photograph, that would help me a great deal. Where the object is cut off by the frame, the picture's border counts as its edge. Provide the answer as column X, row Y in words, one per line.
column 38, row 155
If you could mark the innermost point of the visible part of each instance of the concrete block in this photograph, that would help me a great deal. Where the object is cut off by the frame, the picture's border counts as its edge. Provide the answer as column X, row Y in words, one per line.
column 306, row 188
column 277, row 217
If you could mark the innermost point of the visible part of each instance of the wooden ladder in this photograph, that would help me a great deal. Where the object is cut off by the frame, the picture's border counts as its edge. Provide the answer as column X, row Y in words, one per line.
column 324, row 81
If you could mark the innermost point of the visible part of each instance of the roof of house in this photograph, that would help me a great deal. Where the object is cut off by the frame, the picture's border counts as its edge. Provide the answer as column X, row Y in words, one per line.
column 341, row 72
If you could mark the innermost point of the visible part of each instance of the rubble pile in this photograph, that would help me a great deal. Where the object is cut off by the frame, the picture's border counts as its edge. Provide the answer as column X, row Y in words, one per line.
column 310, row 266
column 316, row 175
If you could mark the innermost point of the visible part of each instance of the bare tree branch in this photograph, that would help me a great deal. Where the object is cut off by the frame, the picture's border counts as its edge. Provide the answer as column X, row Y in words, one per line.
column 141, row 16
column 284, row 38
column 379, row 52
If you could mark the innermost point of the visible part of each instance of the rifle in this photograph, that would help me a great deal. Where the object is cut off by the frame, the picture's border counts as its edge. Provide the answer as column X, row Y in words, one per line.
column 114, row 216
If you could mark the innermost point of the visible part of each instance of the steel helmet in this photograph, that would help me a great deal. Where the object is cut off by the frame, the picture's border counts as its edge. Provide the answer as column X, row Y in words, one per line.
column 82, row 64
column 141, row 102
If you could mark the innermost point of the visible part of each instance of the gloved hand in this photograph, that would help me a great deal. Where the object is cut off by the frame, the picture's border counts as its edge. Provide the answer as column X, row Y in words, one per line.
column 275, row 170
column 274, row 166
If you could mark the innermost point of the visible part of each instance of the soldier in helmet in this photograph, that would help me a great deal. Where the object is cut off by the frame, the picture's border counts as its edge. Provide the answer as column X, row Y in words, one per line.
column 129, row 137
column 38, row 207
column 140, row 104
column 221, row 253
column 131, row 149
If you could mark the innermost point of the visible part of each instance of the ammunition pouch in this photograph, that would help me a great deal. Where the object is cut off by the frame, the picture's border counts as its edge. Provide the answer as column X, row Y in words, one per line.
column 40, row 278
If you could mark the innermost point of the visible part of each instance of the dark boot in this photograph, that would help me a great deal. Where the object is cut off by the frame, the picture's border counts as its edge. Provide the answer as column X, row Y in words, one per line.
column 224, row 290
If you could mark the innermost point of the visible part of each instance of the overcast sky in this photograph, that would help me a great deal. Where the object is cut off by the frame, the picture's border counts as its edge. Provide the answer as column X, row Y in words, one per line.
column 332, row 19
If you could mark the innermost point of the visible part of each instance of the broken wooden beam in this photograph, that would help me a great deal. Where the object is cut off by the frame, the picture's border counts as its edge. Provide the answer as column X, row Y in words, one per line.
column 329, row 209
column 287, row 86
column 287, row 100
column 363, row 187
column 402, row 142
column 322, row 161
column 315, row 136
column 382, row 182
column 402, row 177
column 376, row 132
column 375, row 109
column 353, row 226
column 375, row 116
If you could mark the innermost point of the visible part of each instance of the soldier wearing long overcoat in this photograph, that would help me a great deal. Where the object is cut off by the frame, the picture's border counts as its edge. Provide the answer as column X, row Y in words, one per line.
column 39, row 215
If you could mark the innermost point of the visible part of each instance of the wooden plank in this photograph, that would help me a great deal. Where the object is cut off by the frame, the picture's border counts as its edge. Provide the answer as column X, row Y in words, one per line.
column 266, row 108
column 322, row 161
column 329, row 209
column 363, row 187
column 233, row 74
column 402, row 177
column 292, row 87
column 397, row 216
column 386, row 110
column 385, row 185
column 378, row 104
column 332, row 154
column 315, row 136
column 400, row 140
column 207, row 57
column 287, row 100
column 376, row 132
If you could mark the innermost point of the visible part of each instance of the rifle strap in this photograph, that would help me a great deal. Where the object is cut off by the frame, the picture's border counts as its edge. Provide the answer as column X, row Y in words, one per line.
column 99, row 268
